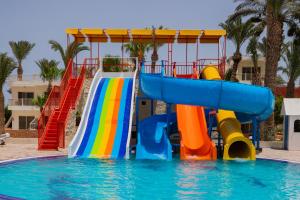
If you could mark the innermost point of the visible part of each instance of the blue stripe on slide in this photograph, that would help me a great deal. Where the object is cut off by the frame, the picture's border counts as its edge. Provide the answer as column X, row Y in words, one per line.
column 90, row 119
column 96, row 122
column 118, row 137
column 126, row 120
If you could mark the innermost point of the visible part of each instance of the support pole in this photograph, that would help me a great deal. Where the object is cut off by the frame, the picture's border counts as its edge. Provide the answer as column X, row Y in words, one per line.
column 186, row 56
column 254, row 131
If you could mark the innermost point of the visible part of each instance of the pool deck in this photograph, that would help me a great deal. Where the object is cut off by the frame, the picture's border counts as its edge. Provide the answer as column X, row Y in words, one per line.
column 16, row 148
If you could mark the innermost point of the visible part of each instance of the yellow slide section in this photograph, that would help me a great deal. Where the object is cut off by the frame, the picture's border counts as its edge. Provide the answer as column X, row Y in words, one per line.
column 236, row 145
column 195, row 143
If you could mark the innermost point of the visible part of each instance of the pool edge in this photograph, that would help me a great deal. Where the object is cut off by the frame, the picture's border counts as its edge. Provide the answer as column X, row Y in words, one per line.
column 11, row 161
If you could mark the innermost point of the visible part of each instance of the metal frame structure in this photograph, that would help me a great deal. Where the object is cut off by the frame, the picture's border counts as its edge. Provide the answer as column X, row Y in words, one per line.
column 169, row 37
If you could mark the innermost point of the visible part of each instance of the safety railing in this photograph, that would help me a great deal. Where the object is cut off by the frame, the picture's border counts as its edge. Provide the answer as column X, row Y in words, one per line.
column 53, row 101
column 51, row 104
column 21, row 102
column 69, row 100
column 220, row 63
column 117, row 64
column 33, row 124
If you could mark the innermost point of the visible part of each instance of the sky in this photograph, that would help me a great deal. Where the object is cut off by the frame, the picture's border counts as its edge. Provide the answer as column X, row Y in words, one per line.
column 40, row 21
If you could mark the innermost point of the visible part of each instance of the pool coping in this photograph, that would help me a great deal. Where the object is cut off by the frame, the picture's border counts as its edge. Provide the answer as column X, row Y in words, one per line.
column 11, row 161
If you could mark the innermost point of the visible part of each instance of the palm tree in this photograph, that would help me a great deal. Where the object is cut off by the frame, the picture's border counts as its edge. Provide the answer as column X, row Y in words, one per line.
column 262, row 47
column 291, row 57
column 7, row 65
column 154, row 46
column 21, row 49
column 238, row 32
column 272, row 14
column 252, row 50
column 49, row 71
column 70, row 52
column 137, row 49
column 40, row 101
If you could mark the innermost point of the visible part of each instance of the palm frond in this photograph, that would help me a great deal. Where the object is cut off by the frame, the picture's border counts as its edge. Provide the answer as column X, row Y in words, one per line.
column 21, row 49
column 7, row 66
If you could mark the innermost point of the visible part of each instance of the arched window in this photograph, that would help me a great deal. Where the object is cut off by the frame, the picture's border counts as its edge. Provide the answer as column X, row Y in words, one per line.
column 297, row 125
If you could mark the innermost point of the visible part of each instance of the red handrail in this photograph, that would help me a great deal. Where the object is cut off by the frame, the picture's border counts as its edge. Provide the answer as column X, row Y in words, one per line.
column 68, row 102
column 53, row 103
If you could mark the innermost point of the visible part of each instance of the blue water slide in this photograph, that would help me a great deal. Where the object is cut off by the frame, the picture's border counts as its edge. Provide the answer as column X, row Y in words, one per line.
column 153, row 141
column 243, row 98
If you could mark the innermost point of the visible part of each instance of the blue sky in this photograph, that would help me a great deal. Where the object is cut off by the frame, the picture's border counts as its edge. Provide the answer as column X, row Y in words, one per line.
column 40, row 21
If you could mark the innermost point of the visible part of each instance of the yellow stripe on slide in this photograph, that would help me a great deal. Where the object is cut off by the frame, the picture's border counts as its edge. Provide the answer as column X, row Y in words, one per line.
column 104, row 109
column 108, row 121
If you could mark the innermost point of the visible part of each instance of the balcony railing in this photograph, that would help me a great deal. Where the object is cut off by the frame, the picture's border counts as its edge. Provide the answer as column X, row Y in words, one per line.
column 21, row 102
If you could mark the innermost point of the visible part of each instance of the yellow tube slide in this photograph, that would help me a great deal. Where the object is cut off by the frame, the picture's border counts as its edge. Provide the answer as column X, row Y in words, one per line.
column 236, row 145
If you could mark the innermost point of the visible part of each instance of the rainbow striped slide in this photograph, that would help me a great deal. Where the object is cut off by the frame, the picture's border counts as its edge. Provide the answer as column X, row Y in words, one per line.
column 105, row 127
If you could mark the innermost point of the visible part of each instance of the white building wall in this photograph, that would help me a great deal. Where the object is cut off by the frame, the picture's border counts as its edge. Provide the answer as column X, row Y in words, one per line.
column 294, row 138
column 17, row 113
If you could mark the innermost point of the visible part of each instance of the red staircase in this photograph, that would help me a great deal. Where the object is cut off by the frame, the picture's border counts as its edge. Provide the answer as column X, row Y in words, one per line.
column 53, row 119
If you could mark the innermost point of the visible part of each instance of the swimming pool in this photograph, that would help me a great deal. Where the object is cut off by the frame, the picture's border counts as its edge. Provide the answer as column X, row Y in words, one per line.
column 63, row 178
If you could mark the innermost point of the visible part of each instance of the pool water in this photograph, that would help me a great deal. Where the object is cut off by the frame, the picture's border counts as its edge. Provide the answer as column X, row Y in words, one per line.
column 63, row 178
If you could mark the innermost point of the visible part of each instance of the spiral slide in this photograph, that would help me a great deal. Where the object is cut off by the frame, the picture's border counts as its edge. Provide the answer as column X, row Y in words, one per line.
column 105, row 127
column 252, row 100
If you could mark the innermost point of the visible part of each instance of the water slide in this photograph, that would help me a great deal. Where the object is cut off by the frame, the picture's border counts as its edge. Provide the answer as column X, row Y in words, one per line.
column 195, row 143
column 105, row 127
column 153, row 140
column 252, row 100
column 234, row 142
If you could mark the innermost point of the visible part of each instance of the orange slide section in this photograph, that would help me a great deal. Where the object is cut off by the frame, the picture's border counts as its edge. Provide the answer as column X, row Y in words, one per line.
column 195, row 143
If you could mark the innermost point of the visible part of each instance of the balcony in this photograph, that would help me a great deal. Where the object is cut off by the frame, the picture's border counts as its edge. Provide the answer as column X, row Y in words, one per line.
column 22, row 104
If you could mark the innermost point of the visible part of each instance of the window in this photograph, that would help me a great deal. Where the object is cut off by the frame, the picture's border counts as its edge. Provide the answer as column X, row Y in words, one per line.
column 24, row 121
column 297, row 126
column 25, row 95
column 25, row 98
column 247, row 73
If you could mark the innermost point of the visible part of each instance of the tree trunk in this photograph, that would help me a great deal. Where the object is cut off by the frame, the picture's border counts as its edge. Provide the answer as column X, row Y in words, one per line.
column 20, row 72
column 154, row 58
column 2, row 113
column 237, row 57
column 290, row 89
column 274, row 42
column 255, row 74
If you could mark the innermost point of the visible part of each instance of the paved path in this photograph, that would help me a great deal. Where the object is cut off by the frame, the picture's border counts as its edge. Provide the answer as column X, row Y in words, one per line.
column 27, row 147
column 293, row 156
column 24, row 147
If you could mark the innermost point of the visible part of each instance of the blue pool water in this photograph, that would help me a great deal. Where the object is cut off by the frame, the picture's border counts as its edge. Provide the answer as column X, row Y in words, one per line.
column 63, row 178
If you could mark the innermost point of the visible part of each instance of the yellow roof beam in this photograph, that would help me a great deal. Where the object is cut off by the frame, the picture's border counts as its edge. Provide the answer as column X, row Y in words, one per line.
column 188, row 36
column 75, row 32
column 94, row 35
column 212, row 36
column 165, row 36
column 118, row 35
column 141, row 35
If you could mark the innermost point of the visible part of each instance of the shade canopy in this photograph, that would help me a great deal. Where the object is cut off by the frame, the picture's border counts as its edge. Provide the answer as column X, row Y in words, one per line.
column 145, row 35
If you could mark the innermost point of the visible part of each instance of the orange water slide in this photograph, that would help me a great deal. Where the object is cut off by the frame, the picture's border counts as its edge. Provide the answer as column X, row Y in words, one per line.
column 195, row 143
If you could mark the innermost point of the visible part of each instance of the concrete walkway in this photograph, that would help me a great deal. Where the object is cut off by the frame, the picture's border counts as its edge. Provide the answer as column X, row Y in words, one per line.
column 291, row 156
column 16, row 148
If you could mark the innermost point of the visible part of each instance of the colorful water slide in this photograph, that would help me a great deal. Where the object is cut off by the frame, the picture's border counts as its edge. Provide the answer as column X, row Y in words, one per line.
column 195, row 143
column 234, row 141
column 218, row 94
column 105, row 127
column 153, row 140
